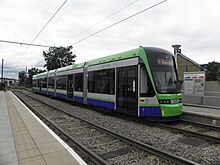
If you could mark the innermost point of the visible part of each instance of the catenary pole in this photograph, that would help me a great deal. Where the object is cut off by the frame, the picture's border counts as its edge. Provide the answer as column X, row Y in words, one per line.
column 2, row 69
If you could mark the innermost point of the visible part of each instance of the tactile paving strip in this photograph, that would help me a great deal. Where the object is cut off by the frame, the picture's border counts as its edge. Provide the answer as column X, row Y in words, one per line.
column 27, row 151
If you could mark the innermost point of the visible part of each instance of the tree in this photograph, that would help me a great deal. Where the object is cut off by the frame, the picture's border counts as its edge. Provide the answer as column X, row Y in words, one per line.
column 22, row 78
column 31, row 72
column 218, row 73
column 213, row 71
column 25, row 79
column 41, row 71
column 57, row 57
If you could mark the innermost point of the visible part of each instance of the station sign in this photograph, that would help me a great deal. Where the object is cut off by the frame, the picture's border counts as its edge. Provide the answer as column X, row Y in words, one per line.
column 194, row 83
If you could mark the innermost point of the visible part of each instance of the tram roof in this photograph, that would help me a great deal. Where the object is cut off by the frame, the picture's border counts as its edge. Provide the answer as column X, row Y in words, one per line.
column 115, row 57
column 42, row 74
column 70, row 67
column 111, row 58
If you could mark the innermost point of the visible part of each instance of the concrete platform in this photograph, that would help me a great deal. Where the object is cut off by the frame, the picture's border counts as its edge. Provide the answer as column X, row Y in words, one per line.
column 24, row 139
column 202, row 114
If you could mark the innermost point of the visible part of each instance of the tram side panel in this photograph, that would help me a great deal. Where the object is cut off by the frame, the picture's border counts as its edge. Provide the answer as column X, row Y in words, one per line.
column 101, row 85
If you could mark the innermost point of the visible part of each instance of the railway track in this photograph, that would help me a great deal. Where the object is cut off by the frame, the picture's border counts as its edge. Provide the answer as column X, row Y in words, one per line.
column 206, row 132
column 98, row 144
column 203, row 125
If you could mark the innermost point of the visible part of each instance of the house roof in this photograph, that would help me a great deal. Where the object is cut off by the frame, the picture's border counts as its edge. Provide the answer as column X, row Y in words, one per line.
column 193, row 62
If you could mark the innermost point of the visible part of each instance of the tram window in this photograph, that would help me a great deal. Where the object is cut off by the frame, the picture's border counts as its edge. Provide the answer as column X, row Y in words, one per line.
column 146, row 87
column 61, row 82
column 102, row 81
column 143, row 79
column 112, row 81
column 91, row 82
column 79, row 82
column 40, row 82
column 34, row 83
column 51, row 82
column 44, row 83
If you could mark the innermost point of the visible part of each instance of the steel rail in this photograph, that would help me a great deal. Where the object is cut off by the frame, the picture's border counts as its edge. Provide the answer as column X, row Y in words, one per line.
column 143, row 146
column 204, row 125
column 94, row 157
column 191, row 133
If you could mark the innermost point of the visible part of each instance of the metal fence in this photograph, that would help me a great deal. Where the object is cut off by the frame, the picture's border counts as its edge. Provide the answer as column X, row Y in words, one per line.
column 210, row 99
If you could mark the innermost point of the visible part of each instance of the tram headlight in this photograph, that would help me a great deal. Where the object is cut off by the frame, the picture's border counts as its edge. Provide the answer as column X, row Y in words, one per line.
column 164, row 101
column 175, row 101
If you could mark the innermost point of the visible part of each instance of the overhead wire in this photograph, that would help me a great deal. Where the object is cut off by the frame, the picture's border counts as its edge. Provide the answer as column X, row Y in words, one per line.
column 9, row 29
column 42, row 30
column 49, row 21
column 21, row 28
column 24, row 43
column 87, row 29
column 99, row 31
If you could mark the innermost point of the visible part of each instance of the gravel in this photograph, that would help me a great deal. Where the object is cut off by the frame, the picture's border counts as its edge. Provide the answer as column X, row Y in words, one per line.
column 112, row 146
column 161, row 138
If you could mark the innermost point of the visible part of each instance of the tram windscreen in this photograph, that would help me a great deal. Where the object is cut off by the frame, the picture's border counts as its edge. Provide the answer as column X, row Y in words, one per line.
column 163, row 68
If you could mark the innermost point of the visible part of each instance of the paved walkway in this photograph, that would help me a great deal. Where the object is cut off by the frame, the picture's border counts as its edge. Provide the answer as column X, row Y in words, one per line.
column 8, row 153
column 25, row 140
column 209, row 112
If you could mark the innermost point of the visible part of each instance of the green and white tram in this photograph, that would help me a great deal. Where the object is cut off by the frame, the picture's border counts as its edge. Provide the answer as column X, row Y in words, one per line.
column 142, row 82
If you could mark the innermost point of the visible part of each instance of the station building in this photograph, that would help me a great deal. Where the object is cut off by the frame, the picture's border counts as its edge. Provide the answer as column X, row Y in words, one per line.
column 185, row 64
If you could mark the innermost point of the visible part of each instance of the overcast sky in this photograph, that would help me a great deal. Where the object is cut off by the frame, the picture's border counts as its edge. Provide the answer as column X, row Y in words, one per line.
column 194, row 24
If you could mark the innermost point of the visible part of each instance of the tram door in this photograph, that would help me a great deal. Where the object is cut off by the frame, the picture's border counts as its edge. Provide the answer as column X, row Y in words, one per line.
column 70, row 87
column 127, row 89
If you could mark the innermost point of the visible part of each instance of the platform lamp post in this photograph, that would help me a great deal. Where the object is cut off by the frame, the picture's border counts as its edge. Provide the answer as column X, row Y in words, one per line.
column 176, row 51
